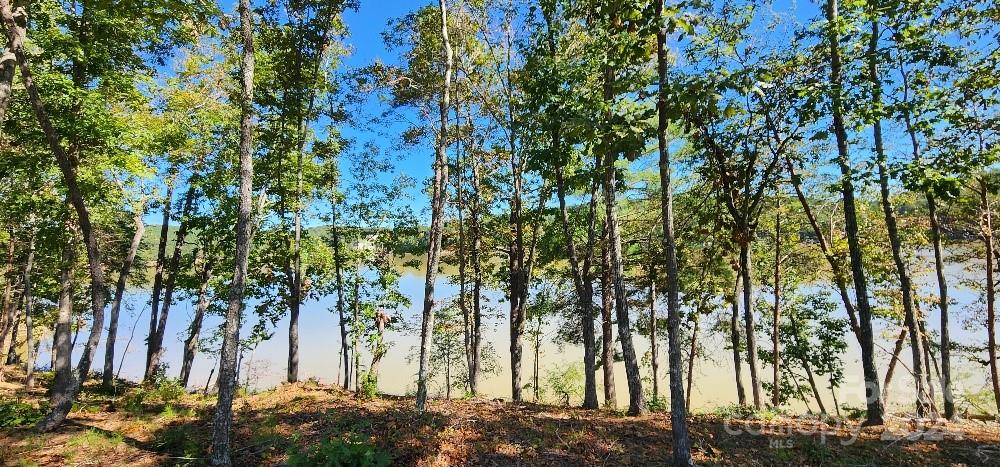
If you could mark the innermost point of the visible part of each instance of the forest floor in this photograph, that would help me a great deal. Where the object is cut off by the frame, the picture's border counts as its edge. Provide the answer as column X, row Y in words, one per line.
column 139, row 427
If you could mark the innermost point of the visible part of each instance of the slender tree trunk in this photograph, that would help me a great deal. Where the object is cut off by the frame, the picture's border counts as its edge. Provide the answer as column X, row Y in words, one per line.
column 355, row 334
column 652, row 332
column 582, row 285
column 581, row 281
column 839, row 278
column 29, row 299
column 161, row 261
column 607, row 333
column 637, row 403
column 896, row 350
column 928, row 363
column 776, row 319
column 874, row 415
column 477, row 278
column 7, row 70
column 338, row 263
column 173, row 269
column 8, row 307
column 228, row 369
column 477, row 271
column 692, row 355
column 943, row 298
column 734, row 329
column 439, row 198
column 678, row 402
column 749, row 321
column 12, row 357
column 538, row 346
column 463, row 302
column 991, row 318
column 62, row 397
column 191, row 343
column 295, row 296
column 812, row 385
column 62, row 348
column 891, row 227
column 108, row 377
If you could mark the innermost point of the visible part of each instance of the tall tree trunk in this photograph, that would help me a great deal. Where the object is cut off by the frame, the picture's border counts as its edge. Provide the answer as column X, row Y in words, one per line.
column 652, row 332
column 942, row 281
column 463, row 302
column 161, row 261
column 582, row 283
column 475, row 249
column 896, row 350
column 812, row 385
column 678, row 406
column 637, row 403
column 439, row 198
column 890, row 221
column 991, row 318
column 477, row 278
column 29, row 299
column 929, row 362
column 62, row 348
column 156, row 343
column 874, row 414
column 191, row 343
column 734, row 336
column 749, row 319
column 228, row 368
column 607, row 332
column 108, row 377
column 692, row 355
column 356, row 334
column 8, row 68
column 8, row 307
column 776, row 319
column 295, row 295
column 338, row 263
column 62, row 397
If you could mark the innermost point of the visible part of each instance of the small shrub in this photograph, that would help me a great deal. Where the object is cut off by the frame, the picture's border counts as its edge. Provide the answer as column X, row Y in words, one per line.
column 854, row 413
column 14, row 413
column 340, row 453
column 178, row 440
column 134, row 401
column 369, row 386
column 658, row 404
column 566, row 382
column 168, row 390
column 735, row 411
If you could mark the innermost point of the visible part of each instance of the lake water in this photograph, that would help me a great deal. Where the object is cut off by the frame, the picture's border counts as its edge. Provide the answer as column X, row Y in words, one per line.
column 320, row 346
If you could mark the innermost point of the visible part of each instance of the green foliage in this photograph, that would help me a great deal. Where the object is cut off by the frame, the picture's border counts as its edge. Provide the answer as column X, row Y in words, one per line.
column 340, row 453
column 14, row 413
column 369, row 385
column 658, row 404
column 167, row 390
column 566, row 382
column 179, row 440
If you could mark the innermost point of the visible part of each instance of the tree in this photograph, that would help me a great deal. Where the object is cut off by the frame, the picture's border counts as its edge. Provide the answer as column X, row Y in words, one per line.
column 438, row 197
column 874, row 414
column 228, row 359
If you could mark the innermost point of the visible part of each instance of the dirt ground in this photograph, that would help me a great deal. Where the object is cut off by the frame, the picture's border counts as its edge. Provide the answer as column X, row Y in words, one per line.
column 126, row 429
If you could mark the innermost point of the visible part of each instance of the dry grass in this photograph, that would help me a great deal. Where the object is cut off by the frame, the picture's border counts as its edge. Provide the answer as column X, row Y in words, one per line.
column 270, row 425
